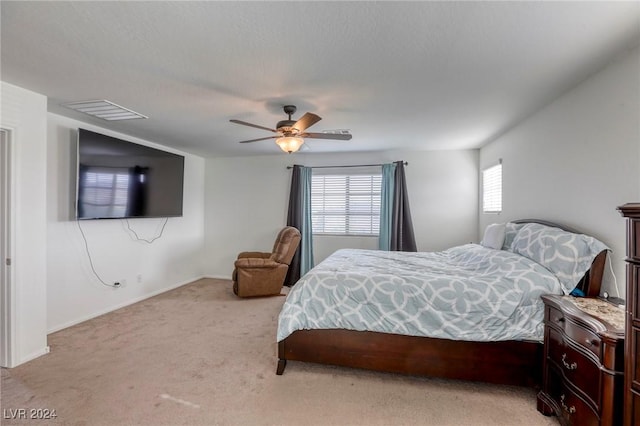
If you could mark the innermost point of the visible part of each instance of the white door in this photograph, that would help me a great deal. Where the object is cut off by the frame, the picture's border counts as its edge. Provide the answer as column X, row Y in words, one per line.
column 6, row 294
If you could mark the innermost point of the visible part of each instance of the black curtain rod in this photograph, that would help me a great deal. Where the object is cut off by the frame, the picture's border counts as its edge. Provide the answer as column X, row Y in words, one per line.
column 351, row 165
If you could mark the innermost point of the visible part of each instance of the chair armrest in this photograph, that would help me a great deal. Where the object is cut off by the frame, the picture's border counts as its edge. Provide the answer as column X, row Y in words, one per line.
column 254, row 254
column 252, row 262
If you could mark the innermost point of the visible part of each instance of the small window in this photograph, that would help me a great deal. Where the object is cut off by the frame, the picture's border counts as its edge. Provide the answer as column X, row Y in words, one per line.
column 344, row 204
column 492, row 189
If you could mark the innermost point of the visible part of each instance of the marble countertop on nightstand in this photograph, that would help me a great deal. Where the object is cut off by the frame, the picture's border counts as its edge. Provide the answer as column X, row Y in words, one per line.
column 601, row 309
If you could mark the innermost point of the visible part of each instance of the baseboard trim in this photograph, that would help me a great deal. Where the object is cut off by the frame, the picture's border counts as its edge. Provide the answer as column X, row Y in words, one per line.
column 122, row 305
column 218, row 277
column 31, row 356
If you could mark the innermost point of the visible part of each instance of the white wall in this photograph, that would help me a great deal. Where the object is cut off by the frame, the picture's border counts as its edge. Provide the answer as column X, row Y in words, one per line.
column 74, row 293
column 576, row 160
column 25, row 114
column 247, row 201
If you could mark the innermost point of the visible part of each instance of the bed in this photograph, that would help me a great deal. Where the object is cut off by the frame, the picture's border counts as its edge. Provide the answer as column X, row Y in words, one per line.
column 447, row 350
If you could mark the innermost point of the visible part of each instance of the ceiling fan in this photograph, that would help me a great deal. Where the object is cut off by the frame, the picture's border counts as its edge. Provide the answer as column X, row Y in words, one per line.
column 289, row 134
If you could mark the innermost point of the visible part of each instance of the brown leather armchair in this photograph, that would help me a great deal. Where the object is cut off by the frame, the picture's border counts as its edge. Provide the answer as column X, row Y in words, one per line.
column 263, row 274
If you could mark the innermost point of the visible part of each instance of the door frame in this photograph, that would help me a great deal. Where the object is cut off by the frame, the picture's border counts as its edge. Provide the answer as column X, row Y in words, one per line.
column 7, row 245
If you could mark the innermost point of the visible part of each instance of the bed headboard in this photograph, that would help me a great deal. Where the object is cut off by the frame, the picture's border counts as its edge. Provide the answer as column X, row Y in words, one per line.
column 592, row 281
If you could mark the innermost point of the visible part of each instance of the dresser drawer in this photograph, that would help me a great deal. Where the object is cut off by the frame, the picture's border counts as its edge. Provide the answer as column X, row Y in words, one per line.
column 583, row 337
column 634, row 361
column 577, row 368
column 633, row 408
column 571, row 407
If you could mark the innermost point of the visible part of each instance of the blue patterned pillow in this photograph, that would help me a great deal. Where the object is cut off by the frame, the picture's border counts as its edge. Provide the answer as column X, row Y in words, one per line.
column 510, row 231
column 567, row 255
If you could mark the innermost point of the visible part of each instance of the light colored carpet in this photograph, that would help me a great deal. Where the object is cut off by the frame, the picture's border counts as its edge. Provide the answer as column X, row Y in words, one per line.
column 198, row 355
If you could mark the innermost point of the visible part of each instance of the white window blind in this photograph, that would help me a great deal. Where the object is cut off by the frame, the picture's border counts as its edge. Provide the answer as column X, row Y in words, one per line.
column 492, row 189
column 106, row 193
column 346, row 204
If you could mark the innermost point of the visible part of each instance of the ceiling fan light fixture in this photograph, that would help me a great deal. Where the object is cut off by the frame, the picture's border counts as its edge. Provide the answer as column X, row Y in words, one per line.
column 289, row 144
column 289, row 134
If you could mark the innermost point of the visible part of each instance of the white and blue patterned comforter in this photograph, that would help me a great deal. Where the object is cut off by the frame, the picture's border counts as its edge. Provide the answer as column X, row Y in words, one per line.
column 463, row 293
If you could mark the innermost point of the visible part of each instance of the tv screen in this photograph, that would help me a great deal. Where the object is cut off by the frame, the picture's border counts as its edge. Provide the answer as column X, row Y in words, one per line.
column 119, row 179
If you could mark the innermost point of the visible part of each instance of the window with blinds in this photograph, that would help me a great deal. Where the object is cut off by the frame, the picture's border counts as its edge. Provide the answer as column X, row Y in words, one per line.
column 106, row 193
column 346, row 204
column 492, row 189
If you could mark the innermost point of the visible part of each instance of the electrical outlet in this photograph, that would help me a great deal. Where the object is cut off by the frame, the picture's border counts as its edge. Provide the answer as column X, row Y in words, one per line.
column 118, row 284
column 139, row 278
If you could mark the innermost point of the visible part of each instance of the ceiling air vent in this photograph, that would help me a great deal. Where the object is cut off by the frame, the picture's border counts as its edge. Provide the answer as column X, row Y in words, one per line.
column 104, row 109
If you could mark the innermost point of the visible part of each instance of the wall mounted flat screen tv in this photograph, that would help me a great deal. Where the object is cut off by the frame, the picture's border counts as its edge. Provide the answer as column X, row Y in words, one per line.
column 119, row 179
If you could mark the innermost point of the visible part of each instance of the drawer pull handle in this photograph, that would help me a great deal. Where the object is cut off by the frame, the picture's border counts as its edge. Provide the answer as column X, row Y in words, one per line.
column 572, row 366
column 569, row 410
column 561, row 319
column 591, row 342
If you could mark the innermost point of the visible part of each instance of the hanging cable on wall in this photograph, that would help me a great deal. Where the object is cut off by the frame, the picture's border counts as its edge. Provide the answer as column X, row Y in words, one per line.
column 606, row 295
column 137, row 238
column 148, row 241
column 86, row 247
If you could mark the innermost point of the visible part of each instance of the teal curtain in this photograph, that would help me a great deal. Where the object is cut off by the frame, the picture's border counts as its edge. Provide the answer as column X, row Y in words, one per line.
column 386, row 206
column 306, row 243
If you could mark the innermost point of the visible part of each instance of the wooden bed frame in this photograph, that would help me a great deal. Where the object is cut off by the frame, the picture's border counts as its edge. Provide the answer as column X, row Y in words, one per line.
column 505, row 362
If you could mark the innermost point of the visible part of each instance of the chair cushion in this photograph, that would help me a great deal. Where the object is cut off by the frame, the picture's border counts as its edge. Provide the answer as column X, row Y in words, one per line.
column 286, row 245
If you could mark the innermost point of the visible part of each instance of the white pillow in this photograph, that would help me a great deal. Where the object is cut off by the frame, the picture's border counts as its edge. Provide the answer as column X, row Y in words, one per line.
column 494, row 236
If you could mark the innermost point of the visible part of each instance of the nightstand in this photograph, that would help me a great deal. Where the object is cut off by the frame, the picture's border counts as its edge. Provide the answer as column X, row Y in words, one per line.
column 583, row 367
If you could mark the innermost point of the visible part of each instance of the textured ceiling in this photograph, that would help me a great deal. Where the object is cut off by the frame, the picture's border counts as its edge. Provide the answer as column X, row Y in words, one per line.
column 399, row 75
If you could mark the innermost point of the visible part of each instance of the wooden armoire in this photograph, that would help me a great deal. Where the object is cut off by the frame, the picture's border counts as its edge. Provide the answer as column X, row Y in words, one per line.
column 632, row 328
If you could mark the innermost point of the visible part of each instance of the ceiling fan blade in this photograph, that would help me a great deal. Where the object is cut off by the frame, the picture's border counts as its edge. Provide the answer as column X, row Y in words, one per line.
column 244, row 123
column 336, row 136
column 259, row 139
column 306, row 121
